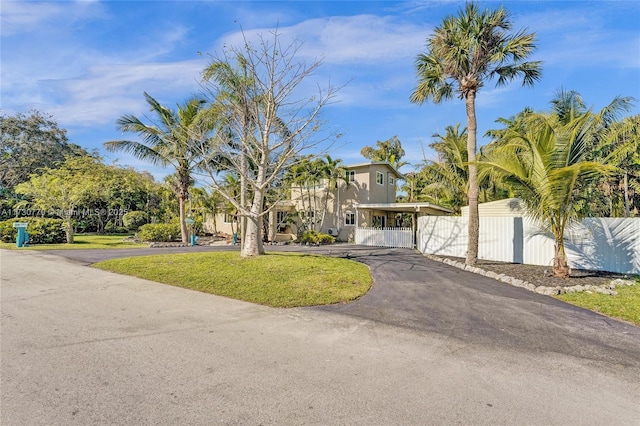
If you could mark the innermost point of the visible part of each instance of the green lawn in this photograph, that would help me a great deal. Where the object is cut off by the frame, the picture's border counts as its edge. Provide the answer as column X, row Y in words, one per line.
column 83, row 241
column 625, row 305
column 274, row 279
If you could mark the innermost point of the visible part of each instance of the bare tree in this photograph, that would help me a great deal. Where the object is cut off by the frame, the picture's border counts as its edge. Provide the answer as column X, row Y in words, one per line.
column 262, row 122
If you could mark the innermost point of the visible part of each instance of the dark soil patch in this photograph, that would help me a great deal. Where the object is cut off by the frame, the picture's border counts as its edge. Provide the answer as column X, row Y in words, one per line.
column 541, row 275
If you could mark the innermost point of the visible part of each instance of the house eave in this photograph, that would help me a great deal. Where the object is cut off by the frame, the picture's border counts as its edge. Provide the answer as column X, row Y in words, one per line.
column 376, row 163
column 405, row 207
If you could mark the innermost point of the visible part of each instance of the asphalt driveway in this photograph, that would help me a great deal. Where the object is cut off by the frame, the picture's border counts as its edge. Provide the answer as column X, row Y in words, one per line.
column 414, row 292
column 428, row 344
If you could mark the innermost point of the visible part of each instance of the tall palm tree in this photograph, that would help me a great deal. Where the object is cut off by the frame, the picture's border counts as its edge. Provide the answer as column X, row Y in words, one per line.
column 545, row 160
column 462, row 54
column 167, row 141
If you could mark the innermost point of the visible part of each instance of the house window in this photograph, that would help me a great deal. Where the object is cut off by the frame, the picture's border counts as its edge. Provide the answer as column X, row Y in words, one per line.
column 380, row 178
column 281, row 221
column 350, row 219
column 281, row 217
column 392, row 181
column 379, row 221
column 351, row 176
column 230, row 218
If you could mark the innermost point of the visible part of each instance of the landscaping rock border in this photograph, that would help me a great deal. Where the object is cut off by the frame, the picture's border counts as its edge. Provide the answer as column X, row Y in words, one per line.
column 608, row 288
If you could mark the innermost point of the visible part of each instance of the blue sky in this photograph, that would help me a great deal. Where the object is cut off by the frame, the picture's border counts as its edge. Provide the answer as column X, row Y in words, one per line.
column 89, row 62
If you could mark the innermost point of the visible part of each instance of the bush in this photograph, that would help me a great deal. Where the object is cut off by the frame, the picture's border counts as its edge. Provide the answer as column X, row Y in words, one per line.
column 326, row 239
column 41, row 230
column 159, row 232
column 315, row 237
column 111, row 228
column 134, row 220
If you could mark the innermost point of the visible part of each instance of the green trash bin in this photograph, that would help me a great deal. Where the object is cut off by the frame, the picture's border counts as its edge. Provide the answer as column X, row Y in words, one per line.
column 21, row 237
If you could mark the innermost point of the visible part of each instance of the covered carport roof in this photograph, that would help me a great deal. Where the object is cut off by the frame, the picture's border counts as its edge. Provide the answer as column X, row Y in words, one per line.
column 426, row 208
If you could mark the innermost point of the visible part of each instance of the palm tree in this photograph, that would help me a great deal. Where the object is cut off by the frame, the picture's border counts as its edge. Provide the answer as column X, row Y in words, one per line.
column 624, row 150
column 336, row 174
column 448, row 176
column 463, row 53
column 544, row 160
column 611, row 142
column 167, row 142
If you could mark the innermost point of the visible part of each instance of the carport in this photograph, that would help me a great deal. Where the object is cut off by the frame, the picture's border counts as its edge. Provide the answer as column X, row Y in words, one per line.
column 377, row 217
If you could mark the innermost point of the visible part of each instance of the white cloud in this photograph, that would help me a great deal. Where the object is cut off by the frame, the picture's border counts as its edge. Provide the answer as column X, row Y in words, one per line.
column 361, row 39
column 22, row 17
column 373, row 54
column 108, row 91
column 574, row 39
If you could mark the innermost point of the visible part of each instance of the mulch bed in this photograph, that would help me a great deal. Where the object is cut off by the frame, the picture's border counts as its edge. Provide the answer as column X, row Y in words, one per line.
column 541, row 275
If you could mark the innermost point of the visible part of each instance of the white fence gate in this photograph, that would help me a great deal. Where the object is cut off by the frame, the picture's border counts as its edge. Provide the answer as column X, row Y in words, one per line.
column 385, row 237
column 603, row 244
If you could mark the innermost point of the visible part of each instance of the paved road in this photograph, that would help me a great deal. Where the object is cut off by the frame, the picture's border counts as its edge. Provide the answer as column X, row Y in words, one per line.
column 427, row 345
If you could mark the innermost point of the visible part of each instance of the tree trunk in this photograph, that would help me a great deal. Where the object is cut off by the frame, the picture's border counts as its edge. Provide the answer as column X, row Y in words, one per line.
column 474, row 221
column 627, row 210
column 68, row 229
column 242, row 223
column 339, row 224
column 560, row 265
column 253, row 245
column 184, row 232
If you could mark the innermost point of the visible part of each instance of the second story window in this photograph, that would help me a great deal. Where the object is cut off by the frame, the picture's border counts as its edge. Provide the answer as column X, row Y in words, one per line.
column 351, row 176
column 380, row 178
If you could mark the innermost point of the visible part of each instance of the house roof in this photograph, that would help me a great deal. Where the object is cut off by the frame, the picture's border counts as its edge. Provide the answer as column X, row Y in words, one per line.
column 376, row 163
column 405, row 207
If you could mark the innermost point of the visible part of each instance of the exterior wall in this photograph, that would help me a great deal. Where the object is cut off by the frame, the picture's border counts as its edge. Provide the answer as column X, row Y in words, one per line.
column 510, row 207
column 221, row 226
column 603, row 244
column 366, row 189
column 362, row 190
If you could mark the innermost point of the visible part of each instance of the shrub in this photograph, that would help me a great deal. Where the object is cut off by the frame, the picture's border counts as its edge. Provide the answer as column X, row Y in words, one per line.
column 111, row 228
column 159, row 232
column 134, row 220
column 315, row 237
column 41, row 230
column 326, row 239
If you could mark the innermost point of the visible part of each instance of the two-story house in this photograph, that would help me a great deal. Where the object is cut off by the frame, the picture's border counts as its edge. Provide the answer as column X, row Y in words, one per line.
column 365, row 198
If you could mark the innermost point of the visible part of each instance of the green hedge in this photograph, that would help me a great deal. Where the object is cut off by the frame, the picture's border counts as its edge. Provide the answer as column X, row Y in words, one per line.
column 159, row 232
column 41, row 230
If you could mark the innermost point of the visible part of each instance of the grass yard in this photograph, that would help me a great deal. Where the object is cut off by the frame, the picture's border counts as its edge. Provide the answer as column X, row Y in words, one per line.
column 83, row 241
column 274, row 279
column 625, row 305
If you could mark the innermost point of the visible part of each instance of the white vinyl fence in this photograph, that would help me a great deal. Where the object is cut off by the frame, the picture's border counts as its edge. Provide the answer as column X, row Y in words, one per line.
column 385, row 237
column 602, row 244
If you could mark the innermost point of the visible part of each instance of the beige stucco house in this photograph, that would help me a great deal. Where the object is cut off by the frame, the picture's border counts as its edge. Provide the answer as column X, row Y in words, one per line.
column 366, row 198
